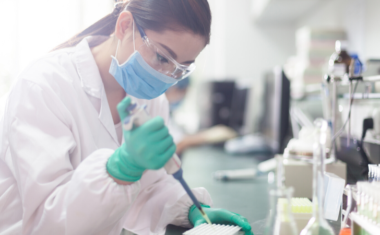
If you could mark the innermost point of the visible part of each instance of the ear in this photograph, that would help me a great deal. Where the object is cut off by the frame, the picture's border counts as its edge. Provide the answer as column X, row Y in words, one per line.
column 124, row 25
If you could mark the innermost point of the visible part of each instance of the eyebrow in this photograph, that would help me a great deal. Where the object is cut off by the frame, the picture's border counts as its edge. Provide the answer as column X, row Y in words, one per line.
column 171, row 52
column 188, row 62
column 174, row 55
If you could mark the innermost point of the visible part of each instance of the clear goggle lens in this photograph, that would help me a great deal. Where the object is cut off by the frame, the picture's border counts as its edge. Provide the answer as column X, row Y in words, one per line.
column 158, row 59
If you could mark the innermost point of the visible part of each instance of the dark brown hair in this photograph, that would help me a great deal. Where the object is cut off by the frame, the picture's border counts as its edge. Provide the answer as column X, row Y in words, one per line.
column 157, row 15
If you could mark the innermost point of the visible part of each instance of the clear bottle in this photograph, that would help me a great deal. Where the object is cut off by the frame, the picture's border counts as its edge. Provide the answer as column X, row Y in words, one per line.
column 318, row 225
column 280, row 220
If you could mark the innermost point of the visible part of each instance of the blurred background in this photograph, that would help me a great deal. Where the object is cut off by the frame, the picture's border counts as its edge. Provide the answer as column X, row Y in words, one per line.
column 256, row 92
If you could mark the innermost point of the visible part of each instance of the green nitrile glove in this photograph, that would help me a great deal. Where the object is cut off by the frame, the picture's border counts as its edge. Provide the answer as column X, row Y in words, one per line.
column 219, row 216
column 148, row 146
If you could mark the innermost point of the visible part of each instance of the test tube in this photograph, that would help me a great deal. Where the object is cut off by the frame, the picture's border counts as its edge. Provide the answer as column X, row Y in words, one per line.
column 369, row 173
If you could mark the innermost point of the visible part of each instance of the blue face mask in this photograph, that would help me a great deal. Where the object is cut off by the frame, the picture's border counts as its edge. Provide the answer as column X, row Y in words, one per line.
column 138, row 78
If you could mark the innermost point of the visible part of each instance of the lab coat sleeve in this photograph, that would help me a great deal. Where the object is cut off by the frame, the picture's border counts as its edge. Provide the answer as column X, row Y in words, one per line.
column 59, row 197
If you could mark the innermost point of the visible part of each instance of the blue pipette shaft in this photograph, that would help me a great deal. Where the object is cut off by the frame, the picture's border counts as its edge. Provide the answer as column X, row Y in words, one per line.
column 179, row 176
column 138, row 116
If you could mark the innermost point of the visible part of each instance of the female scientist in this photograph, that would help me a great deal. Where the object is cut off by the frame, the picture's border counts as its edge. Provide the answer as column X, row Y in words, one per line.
column 66, row 165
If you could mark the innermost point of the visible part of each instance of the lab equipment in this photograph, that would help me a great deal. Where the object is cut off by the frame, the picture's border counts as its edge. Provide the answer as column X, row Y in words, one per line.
column 366, row 220
column 218, row 216
column 358, row 65
column 138, row 115
column 225, row 103
column 368, row 205
column 275, row 130
column 250, row 173
column 275, row 123
column 299, row 175
column 334, row 187
column 339, row 68
column 302, row 210
column 301, row 148
column 137, row 77
column 280, row 220
column 345, row 229
column 340, row 60
column 318, row 224
column 372, row 68
column 372, row 172
column 215, row 229
column 301, row 205
column 239, row 174
column 252, row 143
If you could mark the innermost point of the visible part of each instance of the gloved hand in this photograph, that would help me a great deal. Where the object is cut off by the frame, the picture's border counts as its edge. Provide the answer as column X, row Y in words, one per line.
column 148, row 146
column 219, row 216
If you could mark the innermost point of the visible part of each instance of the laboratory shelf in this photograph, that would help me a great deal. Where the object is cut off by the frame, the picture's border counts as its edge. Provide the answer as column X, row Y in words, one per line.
column 363, row 223
column 358, row 96
column 374, row 78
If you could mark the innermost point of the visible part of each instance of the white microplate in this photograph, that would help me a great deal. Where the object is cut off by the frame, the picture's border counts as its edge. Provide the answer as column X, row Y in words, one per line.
column 215, row 229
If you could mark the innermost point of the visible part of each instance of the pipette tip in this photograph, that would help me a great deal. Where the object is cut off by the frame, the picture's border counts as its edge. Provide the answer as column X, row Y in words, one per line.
column 205, row 216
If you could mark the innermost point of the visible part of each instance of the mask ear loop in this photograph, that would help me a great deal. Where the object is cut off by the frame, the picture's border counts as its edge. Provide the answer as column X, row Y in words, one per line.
column 117, row 47
column 134, row 45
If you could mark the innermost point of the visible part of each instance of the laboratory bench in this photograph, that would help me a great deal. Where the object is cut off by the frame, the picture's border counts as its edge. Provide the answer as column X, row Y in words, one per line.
column 250, row 198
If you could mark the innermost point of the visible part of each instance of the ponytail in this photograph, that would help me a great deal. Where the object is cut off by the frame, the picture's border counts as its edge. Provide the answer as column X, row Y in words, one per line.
column 103, row 27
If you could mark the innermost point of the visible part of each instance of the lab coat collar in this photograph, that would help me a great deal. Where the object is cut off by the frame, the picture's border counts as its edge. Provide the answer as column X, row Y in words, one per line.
column 91, row 81
column 87, row 68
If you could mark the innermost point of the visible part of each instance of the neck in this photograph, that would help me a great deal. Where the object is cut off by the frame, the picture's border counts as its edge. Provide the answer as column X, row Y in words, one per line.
column 114, row 92
column 102, row 55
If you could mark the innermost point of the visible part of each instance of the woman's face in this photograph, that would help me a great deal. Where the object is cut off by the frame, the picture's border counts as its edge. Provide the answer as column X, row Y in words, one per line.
column 183, row 46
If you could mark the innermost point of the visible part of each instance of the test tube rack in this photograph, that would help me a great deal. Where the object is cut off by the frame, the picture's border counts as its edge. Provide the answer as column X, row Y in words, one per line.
column 359, row 224
column 214, row 229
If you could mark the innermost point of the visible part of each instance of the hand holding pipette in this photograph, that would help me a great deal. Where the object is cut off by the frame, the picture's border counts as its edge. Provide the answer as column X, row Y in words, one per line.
column 140, row 130
column 148, row 147
column 137, row 117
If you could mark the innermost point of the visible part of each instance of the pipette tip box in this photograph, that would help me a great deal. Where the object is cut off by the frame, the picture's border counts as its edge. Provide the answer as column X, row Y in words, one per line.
column 214, row 229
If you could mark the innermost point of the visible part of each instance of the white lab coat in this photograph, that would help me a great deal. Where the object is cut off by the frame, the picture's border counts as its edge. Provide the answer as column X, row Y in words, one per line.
column 55, row 138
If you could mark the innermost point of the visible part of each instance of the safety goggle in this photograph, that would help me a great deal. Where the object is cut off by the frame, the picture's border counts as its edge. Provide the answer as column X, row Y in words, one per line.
column 160, row 60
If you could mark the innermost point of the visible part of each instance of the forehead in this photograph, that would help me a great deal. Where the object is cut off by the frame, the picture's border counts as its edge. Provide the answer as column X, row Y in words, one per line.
column 185, row 44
